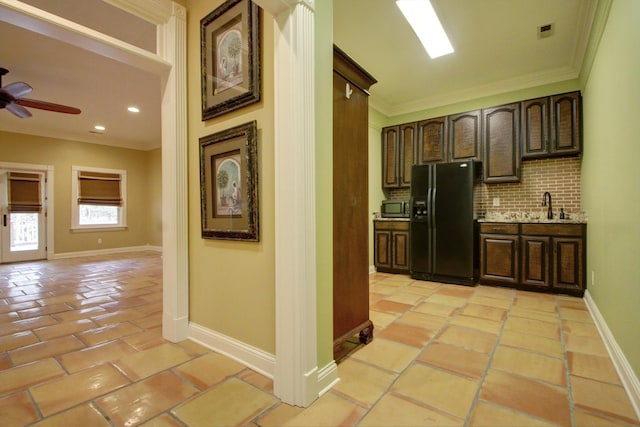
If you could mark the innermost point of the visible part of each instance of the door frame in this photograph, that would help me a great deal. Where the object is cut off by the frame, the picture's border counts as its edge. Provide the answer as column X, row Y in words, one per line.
column 47, row 170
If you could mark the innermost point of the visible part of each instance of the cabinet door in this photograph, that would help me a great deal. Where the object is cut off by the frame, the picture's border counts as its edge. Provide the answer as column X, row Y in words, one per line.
column 565, row 123
column 432, row 138
column 382, row 249
column 499, row 258
column 568, row 266
column 464, row 136
column 535, row 128
column 390, row 161
column 407, row 151
column 501, row 142
column 400, row 250
column 535, row 261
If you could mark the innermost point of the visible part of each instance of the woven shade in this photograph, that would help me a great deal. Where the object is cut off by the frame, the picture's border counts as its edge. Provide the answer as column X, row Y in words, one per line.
column 98, row 188
column 24, row 192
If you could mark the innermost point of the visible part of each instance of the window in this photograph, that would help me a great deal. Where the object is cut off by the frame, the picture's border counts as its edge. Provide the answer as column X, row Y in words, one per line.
column 98, row 198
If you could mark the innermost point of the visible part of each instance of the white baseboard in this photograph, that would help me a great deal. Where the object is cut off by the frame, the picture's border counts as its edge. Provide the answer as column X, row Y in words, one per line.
column 327, row 377
column 625, row 371
column 372, row 269
column 78, row 254
column 252, row 357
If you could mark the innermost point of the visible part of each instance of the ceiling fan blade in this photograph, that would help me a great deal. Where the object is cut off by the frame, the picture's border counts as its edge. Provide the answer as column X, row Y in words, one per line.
column 49, row 106
column 18, row 110
column 18, row 89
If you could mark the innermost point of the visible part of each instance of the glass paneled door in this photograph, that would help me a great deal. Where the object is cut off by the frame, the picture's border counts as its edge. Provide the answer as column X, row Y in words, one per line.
column 22, row 210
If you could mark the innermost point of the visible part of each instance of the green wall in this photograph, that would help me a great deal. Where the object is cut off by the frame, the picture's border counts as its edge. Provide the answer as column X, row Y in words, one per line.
column 611, row 176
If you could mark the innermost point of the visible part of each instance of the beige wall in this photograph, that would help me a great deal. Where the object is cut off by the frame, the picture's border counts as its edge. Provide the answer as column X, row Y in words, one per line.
column 62, row 155
column 232, row 283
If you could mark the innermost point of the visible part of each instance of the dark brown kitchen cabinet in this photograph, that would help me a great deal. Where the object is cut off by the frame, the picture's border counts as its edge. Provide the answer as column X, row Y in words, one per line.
column 350, row 200
column 398, row 154
column 464, row 136
column 553, row 256
column 551, row 126
column 432, row 140
column 499, row 253
column 501, row 143
column 391, row 246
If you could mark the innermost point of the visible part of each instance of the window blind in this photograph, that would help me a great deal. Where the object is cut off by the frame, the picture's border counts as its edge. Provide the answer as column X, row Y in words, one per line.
column 98, row 188
column 24, row 192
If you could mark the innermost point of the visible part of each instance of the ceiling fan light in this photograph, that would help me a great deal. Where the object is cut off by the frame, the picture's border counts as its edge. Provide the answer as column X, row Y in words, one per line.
column 425, row 23
column 100, row 128
column 133, row 109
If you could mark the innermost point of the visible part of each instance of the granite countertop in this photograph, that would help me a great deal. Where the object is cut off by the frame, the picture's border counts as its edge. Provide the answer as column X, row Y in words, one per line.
column 535, row 217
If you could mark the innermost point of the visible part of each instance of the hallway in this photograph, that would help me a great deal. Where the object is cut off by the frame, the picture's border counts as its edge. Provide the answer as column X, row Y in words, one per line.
column 81, row 344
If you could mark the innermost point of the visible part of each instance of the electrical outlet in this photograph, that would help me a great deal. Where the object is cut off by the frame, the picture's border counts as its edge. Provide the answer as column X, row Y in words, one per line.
column 496, row 201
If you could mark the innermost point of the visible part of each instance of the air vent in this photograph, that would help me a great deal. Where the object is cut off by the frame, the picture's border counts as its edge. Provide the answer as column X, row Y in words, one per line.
column 545, row 31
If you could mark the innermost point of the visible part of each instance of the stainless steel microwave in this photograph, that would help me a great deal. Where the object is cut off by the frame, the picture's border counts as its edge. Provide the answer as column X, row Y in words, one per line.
column 395, row 209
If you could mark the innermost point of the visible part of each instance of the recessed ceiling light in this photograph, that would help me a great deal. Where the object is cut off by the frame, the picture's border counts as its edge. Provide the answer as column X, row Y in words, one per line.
column 100, row 128
column 425, row 23
column 133, row 109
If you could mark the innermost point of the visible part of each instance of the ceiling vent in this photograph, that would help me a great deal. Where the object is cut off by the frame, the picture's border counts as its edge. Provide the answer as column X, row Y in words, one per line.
column 545, row 31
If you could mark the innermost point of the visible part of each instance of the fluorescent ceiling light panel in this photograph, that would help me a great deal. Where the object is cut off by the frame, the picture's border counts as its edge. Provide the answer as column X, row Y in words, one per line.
column 425, row 23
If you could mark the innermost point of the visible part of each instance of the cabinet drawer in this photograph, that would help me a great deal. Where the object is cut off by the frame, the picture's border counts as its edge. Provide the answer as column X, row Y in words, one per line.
column 499, row 228
column 553, row 229
column 391, row 225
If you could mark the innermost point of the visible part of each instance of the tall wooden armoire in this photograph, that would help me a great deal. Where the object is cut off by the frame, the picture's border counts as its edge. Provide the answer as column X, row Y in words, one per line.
column 350, row 200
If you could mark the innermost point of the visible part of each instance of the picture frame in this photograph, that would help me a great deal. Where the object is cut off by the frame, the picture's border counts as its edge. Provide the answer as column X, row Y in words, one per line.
column 229, row 184
column 230, row 54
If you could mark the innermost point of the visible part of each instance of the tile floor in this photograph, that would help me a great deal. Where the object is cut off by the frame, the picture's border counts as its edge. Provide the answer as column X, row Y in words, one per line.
column 81, row 345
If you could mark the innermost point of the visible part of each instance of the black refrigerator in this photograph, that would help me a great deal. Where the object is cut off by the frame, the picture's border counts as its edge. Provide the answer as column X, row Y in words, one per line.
column 443, row 237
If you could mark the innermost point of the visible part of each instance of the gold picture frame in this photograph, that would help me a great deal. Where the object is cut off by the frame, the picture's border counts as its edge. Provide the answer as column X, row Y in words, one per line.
column 230, row 55
column 229, row 184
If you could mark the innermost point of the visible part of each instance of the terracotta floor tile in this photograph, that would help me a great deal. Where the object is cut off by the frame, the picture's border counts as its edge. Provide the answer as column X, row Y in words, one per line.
column 89, row 302
column 387, row 354
column 587, row 345
column 437, row 389
column 60, row 394
column 62, row 329
column 193, row 348
column 495, row 292
column 381, row 320
column 96, row 355
column 258, row 380
column 468, row 338
column 571, row 302
column 80, row 416
column 407, row 334
column 163, row 420
column 26, row 325
column 573, row 327
column 141, row 401
column 488, row 415
column 279, row 416
column 456, row 290
column 531, row 365
column 435, row 309
column 361, row 382
column 455, row 359
column 541, row 345
column 44, row 349
column 382, row 289
column 486, row 325
column 593, row 367
column 423, row 320
column 536, row 304
column 592, row 419
column 232, row 402
column 532, row 327
column 546, row 316
column 84, row 313
column 5, row 362
column 17, row 340
column 484, row 312
column 405, row 297
column 103, row 334
column 40, row 311
column 491, row 301
column 208, row 370
column 117, row 317
column 394, row 410
column 605, row 398
column 419, row 290
column 17, row 410
column 148, row 362
column 145, row 340
column 387, row 306
column 575, row 314
column 531, row 397
column 452, row 301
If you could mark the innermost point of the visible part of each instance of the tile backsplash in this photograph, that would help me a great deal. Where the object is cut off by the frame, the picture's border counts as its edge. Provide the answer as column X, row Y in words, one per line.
column 559, row 176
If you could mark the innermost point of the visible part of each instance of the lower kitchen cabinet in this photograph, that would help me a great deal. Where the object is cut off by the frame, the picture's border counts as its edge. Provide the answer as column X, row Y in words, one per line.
column 391, row 246
column 549, row 257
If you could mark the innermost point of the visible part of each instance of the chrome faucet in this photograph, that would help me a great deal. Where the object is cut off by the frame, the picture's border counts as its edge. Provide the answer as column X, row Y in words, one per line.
column 544, row 203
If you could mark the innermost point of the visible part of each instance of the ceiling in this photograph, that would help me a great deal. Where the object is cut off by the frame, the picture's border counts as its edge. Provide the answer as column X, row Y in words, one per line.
column 496, row 41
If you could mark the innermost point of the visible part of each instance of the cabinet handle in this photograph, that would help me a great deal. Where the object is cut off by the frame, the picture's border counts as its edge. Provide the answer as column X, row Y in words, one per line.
column 4, row 220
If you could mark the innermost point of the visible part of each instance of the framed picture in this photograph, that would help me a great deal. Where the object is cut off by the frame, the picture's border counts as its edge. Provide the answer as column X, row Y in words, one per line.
column 230, row 55
column 229, row 184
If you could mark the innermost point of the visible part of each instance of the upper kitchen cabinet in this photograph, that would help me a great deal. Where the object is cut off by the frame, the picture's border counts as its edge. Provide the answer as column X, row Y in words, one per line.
column 432, row 140
column 501, row 143
column 398, row 154
column 464, row 136
column 551, row 126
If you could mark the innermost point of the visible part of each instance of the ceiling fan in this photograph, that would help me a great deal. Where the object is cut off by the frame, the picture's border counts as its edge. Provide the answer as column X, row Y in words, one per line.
column 11, row 98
